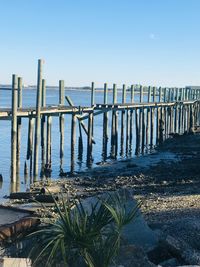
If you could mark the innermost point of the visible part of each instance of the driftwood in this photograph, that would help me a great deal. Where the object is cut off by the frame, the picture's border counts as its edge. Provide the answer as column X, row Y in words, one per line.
column 22, row 195
column 46, row 198
column 52, row 189
column 40, row 196
column 17, row 228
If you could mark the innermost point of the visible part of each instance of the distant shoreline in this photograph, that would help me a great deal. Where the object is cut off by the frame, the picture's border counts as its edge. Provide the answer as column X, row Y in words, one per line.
column 86, row 89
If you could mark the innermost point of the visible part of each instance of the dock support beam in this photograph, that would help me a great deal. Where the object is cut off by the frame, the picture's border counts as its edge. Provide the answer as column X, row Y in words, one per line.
column 37, row 122
column 19, row 123
column 105, row 125
column 14, row 129
column 61, row 123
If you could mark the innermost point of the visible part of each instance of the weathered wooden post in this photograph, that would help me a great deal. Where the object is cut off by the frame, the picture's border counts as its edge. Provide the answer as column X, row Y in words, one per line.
column 132, row 93
column 166, row 122
column 29, row 155
column 137, row 133
column 158, row 116
column 161, row 129
column 61, row 124
column 43, row 93
column 143, row 128
column 43, row 128
column 169, row 94
column 90, row 127
column 92, row 104
column 19, row 92
column 179, row 118
column 191, row 118
column 147, row 126
column 80, row 144
column 190, row 94
column 160, row 94
column 154, row 94
column 73, row 141
column 127, row 131
column 140, row 117
column 152, row 126
column 19, row 123
column 37, row 122
column 165, row 95
column 181, row 94
column 89, row 141
column 116, row 125
column 131, row 119
column 187, row 117
column 157, row 123
column 164, row 118
column 14, row 129
column 141, row 93
column 105, row 124
column 113, row 126
column 48, row 149
column 116, row 133
column 171, row 119
column 184, row 94
column 180, row 98
column 92, row 94
column 148, row 115
column 149, row 94
column 175, row 93
column 176, row 114
column 183, row 118
column 122, row 120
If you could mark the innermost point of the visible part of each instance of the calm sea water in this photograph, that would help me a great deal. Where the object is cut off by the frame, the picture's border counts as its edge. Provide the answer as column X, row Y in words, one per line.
column 78, row 97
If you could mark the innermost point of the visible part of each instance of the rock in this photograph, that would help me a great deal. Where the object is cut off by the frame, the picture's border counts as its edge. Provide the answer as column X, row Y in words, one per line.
column 186, row 229
column 137, row 232
column 131, row 165
column 160, row 254
column 173, row 262
column 182, row 250
column 194, row 129
column 133, row 256
column 1, row 178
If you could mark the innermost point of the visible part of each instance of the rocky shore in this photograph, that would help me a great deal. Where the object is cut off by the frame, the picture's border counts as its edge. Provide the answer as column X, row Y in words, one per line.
column 166, row 181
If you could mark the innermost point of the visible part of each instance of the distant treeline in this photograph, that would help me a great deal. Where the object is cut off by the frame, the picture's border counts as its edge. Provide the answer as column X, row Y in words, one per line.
column 8, row 87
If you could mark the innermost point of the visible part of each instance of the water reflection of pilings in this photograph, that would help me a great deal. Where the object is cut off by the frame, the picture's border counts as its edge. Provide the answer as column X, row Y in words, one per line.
column 1, row 181
column 15, row 187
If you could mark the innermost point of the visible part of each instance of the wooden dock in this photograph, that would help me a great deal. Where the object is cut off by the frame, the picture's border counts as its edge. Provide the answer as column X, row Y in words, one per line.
column 15, row 222
column 166, row 111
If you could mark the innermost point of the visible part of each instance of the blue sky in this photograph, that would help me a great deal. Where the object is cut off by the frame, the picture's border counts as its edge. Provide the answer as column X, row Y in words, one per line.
column 152, row 42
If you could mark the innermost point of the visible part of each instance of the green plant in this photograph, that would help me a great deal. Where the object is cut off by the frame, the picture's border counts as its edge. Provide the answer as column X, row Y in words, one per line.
column 84, row 235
